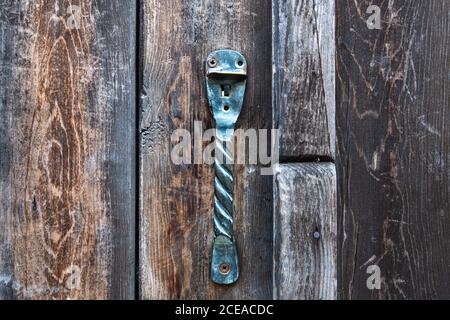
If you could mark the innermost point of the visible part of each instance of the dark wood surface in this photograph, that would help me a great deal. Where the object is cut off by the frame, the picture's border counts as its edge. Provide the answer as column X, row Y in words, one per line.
column 393, row 134
column 67, row 167
column 305, row 232
column 68, row 135
column 304, row 78
column 177, row 201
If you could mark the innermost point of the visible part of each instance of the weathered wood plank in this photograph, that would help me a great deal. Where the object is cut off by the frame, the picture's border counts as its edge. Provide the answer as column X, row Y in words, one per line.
column 177, row 200
column 305, row 232
column 393, row 118
column 67, row 111
column 304, row 77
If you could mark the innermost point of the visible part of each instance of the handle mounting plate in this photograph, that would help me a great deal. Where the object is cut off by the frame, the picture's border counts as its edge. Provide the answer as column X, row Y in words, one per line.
column 226, row 74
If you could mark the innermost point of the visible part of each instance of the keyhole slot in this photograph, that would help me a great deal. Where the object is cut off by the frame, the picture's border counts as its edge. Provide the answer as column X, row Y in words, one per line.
column 225, row 89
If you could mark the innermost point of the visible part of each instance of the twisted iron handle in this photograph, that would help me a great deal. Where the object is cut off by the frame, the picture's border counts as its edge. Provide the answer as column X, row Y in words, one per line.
column 223, row 190
column 224, row 265
column 226, row 72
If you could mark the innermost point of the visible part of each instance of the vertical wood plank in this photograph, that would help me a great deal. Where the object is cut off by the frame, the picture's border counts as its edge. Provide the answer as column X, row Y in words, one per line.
column 304, row 77
column 177, row 200
column 304, row 112
column 305, row 232
column 393, row 118
column 67, row 111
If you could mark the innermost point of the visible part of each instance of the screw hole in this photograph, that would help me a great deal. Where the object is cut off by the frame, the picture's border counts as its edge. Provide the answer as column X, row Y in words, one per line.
column 226, row 108
column 240, row 63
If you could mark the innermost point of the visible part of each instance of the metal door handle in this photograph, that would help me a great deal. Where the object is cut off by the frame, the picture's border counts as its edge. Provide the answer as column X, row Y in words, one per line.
column 226, row 73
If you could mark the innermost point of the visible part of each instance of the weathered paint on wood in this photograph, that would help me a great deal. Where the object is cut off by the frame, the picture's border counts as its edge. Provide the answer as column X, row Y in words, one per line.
column 177, row 200
column 67, row 112
column 393, row 118
column 304, row 77
column 305, row 232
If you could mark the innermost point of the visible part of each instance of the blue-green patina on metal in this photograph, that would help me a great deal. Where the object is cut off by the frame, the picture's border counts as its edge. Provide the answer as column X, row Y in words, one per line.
column 226, row 74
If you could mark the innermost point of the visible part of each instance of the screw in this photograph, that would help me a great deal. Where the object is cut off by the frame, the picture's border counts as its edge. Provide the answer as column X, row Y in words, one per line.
column 316, row 235
column 224, row 268
column 212, row 62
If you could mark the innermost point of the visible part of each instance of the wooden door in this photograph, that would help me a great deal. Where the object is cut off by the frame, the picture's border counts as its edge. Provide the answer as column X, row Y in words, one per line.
column 92, row 206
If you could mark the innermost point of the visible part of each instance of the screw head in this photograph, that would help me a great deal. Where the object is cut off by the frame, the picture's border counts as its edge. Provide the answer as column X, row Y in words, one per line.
column 212, row 62
column 224, row 268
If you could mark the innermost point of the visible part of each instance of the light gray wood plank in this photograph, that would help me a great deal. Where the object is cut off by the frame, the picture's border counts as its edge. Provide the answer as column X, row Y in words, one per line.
column 305, row 232
column 304, row 77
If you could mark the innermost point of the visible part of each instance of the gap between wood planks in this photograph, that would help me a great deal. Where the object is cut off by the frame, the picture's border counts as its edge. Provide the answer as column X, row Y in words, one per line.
column 306, row 159
column 138, row 80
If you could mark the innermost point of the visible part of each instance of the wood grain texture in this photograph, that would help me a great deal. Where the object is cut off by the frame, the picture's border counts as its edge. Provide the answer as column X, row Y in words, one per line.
column 177, row 200
column 304, row 77
column 305, row 232
column 67, row 111
column 393, row 119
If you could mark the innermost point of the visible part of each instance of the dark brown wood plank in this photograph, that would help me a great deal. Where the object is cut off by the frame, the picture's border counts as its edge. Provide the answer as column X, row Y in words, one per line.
column 176, row 201
column 67, row 111
column 393, row 118
column 305, row 232
column 304, row 77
